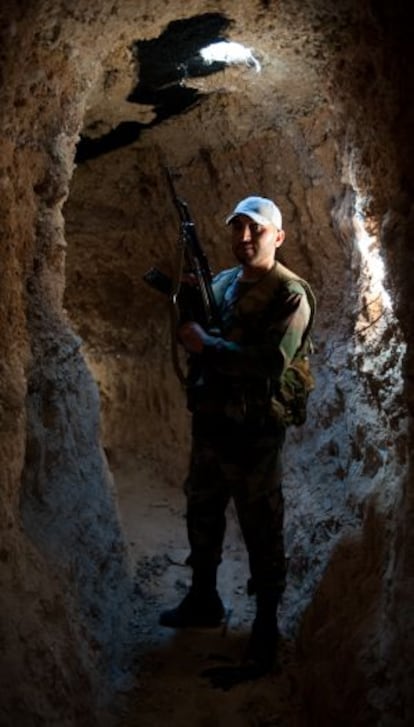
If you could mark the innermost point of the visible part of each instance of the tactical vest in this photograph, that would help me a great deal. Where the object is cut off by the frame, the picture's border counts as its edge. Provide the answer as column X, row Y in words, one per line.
column 288, row 395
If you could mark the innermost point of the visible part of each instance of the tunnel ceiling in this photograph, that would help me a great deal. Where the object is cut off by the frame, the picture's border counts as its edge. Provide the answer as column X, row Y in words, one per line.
column 164, row 67
column 145, row 82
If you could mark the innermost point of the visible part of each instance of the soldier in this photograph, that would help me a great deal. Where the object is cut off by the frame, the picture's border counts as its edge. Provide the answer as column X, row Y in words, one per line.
column 241, row 404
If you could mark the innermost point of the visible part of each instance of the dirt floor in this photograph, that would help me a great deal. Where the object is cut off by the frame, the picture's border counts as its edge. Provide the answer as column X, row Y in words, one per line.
column 168, row 687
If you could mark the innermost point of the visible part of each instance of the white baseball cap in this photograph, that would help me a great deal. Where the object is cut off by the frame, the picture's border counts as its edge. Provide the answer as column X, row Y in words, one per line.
column 260, row 210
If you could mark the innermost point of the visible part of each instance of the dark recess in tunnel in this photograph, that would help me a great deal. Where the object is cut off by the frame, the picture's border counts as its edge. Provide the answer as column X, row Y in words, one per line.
column 163, row 64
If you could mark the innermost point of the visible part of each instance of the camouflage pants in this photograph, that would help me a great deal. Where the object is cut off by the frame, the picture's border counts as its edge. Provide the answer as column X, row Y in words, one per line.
column 244, row 466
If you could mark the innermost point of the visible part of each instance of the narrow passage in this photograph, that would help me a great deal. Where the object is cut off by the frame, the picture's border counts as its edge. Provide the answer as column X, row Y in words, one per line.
column 169, row 688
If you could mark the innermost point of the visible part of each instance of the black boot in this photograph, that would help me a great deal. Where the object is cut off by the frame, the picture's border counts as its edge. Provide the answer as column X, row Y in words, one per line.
column 263, row 642
column 259, row 658
column 262, row 646
column 201, row 607
column 207, row 612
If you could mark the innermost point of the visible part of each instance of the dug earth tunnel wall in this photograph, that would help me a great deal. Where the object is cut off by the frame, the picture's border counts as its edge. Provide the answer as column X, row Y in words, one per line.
column 66, row 579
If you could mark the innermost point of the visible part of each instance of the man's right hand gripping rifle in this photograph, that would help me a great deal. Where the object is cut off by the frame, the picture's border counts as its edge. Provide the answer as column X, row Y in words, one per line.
column 193, row 308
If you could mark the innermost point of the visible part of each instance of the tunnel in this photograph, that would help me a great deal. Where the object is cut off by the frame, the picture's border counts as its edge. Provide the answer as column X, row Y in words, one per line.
column 308, row 103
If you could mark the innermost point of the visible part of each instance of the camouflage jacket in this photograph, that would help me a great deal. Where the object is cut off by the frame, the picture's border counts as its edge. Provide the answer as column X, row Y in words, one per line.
column 264, row 326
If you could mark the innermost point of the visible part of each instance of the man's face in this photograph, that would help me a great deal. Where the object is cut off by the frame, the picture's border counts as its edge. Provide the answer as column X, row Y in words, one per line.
column 254, row 245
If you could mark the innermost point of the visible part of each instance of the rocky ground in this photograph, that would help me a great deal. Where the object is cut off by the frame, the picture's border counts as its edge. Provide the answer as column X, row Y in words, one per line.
column 168, row 686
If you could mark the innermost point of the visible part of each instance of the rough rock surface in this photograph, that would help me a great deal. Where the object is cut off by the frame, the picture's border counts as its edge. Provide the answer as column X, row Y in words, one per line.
column 95, row 100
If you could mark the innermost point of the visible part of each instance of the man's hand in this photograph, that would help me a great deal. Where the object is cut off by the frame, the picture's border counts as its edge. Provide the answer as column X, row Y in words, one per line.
column 193, row 337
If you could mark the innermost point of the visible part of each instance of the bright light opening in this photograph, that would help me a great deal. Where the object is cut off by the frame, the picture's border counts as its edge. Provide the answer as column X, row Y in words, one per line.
column 230, row 53
column 371, row 260
column 378, row 336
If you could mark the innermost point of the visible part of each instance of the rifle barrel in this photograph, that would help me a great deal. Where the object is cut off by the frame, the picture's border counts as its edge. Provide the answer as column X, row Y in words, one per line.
column 195, row 254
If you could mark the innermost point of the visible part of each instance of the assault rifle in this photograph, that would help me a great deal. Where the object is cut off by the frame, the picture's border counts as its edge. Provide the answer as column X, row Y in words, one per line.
column 195, row 301
column 189, row 301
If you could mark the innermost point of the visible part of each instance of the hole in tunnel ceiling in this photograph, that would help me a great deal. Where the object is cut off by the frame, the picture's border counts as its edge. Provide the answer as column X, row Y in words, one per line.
column 165, row 64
